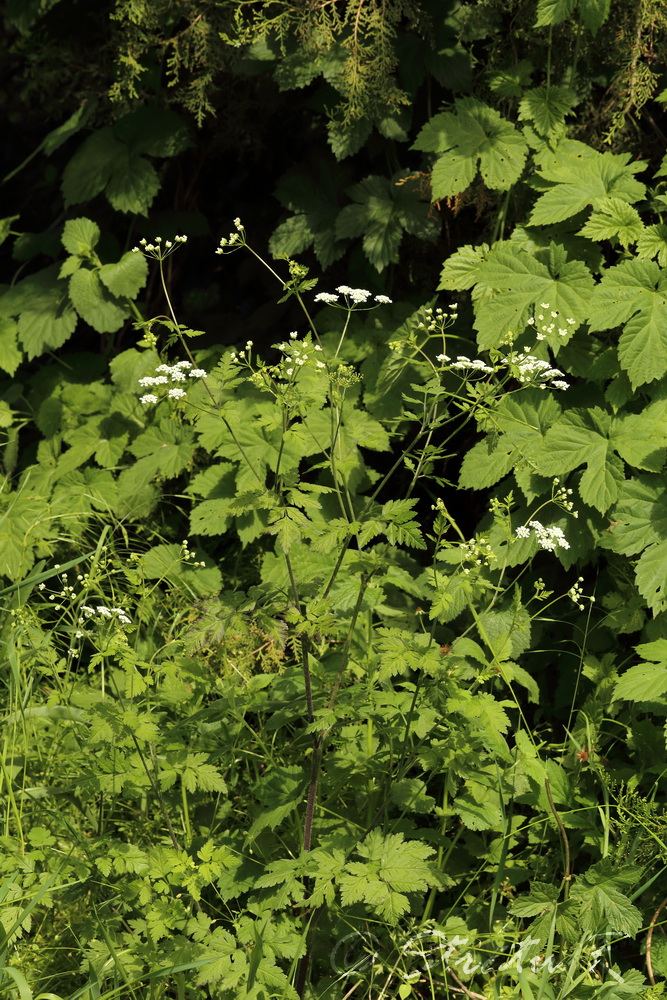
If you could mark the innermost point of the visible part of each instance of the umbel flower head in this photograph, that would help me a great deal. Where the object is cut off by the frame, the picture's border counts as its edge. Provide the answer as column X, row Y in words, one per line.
column 166, row 374
column 159, row 248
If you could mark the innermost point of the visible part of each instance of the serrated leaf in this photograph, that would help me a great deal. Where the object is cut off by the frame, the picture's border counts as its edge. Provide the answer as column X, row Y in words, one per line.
column 80, row 236
column 166, row 448
column 552, row 12
column 594, row 13
column 516, row 283
column 641, row 438
column 546, row 107
column 651, row 576
column 461, row 269
column 581, row 437
column 10, row 353
column 471, row 136
column 153, row 130
column 127, row 276
column 384, row 210
column 133, row 185
column 486, row 463
column 94, row 303
column 578, row 176
column 600, row 890
column 653, row 243
column 643, row 682
column 634, row 293
column 639, row 517
column 614, row 219
column 92, row 166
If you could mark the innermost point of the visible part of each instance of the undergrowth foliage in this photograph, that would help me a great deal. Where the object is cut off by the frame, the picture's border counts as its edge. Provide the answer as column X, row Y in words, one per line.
column 336, row 664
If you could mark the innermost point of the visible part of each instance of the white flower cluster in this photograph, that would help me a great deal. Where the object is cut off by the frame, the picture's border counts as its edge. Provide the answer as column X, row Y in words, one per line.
column 353, row 297
column 234, row 240
column 180, row 372
column 435, row 321
column 576, row 594
column 160, row 248
column 463, row 362
column 545, row 322
column 478, row 552
column 547, row 538
column 561, row 496
column 101, row 613
column 296, row 353
column 529, row 369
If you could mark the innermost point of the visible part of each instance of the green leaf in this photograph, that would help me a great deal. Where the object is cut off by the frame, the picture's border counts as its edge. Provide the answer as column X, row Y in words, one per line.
column 127, row 276
column 641, row 438
column 639, row 517
column 643, row 682
column 486, row 463
column 94, row 303
column 167, row 448
column 153, row 130
column 651, row 576
column 92, row 166
column 552, row 12
column 132, row 185
column 653, row 243
column 384, row 210
column 10, row 353
column 6, row 226
column 461, row 269
column 281, row 790
column 614, row 219
column 578, row 176
column 393, row 867
column 634, row 293
column 581, row 437
column 547, row 107
column 80, row 237
column 474, row 134
column 516, row 284
column 602, row 892
column 594, row 13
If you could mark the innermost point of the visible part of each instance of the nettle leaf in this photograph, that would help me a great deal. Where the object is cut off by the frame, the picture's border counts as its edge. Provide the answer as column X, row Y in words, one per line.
column 614, row 219
column 94, row 303
column 393, row 867
column 474, row 134
column 517, row 284
column 634, row 293
column 653, row 243
column 80, row 237
column 127, row 276
column 579, row 176
column 645, row 681
column 546, row 107
column 582, row 437
column 385, row 209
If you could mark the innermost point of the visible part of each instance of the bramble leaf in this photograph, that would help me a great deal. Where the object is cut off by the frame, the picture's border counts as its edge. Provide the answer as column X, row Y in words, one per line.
column 127, row 276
